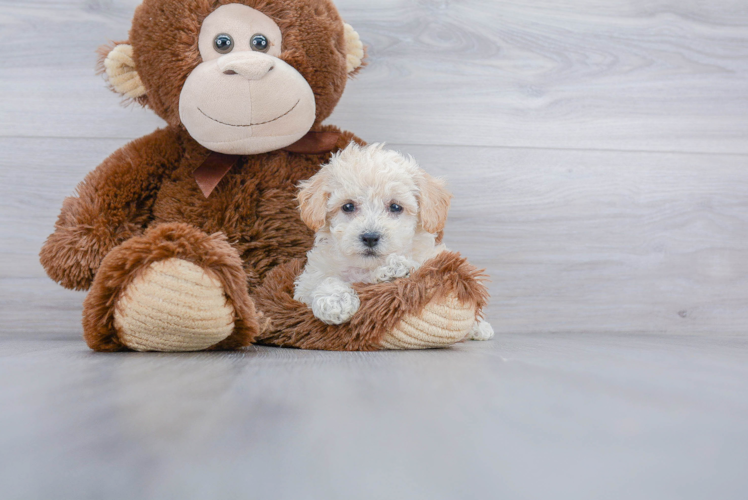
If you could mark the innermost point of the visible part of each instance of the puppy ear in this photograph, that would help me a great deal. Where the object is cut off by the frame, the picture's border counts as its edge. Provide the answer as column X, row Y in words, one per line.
column 313, row 201
column 354, row 48
column 116, row 61
column 434, row 200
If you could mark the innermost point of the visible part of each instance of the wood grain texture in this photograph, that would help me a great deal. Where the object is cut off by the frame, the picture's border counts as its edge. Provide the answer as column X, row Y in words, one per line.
column 662, row 75
column 527, row 416
column 598, row 151
column 626, row 75
column 574, row 240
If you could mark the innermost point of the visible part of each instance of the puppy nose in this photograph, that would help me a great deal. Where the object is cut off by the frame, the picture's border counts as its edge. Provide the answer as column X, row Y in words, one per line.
column 250, row 65
column 370, row 239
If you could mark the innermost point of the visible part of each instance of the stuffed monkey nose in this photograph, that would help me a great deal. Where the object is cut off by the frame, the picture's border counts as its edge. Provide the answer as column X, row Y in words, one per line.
column 250, row 65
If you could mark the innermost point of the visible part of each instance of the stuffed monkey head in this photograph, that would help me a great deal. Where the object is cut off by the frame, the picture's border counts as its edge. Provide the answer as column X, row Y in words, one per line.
column 242, row 76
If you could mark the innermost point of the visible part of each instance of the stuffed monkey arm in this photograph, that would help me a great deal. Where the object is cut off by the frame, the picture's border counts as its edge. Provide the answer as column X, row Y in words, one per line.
column 112, row 204
column 441, row 299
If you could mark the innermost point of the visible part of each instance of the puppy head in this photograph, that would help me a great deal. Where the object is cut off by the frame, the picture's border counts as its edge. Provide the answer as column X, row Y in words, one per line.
column 372, row 202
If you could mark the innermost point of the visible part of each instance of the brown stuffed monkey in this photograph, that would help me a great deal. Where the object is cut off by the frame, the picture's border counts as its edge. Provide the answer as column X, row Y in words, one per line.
column 190, row 238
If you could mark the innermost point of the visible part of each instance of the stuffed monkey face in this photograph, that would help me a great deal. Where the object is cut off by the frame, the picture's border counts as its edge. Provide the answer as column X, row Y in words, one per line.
column 244, row 99
column 241, row 76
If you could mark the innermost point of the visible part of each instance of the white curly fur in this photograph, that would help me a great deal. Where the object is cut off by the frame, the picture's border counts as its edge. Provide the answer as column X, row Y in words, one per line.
column 394, row 267
column 372, row 179
column 334, row 301
column 482, row 330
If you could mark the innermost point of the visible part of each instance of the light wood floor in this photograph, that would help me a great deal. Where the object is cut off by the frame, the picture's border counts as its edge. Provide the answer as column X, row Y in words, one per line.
column 598, row 152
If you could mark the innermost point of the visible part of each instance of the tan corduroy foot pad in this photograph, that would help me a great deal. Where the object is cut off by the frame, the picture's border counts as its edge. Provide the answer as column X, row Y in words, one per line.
column 173, row 306
column 441, row 323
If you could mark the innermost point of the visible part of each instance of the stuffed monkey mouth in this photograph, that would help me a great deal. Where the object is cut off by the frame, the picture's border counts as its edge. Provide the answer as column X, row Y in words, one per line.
column 251, row 124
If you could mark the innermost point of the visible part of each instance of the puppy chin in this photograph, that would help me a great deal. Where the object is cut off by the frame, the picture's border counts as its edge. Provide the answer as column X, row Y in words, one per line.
column 365, row 258
column 369, row 258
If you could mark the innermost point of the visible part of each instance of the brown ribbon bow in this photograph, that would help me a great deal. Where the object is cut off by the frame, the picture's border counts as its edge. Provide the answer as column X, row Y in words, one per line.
column 217, row 165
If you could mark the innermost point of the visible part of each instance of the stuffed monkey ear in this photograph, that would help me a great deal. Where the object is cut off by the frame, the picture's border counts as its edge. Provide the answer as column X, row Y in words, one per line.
column 354, row 49
column 118, row 64
column 434, row 201
column 313, row 201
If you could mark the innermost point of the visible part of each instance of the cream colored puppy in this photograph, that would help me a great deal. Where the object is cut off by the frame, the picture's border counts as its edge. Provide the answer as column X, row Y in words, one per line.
column 376, row 215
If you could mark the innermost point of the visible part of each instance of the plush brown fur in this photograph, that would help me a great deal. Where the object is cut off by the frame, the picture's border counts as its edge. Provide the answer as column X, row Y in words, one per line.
column 164, row 37
column 122, row 265
column 143, row 205
column 288, row 323
column 113, row 204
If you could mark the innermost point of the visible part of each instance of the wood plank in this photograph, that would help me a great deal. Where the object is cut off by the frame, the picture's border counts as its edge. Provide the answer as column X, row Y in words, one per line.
column 583, row 240
column 574, row 240
column 620, row 279
column 577, row 416
column 664, row 75
column 644, row 75
column 48, row 86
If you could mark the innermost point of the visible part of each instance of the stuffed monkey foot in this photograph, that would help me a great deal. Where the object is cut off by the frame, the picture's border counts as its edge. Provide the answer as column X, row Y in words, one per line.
column 436, row 306
column 174, row 289
column 441, row 323
column 173, row 306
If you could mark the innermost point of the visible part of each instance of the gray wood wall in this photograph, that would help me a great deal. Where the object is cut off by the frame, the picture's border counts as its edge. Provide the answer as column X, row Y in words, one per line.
column 598, row 150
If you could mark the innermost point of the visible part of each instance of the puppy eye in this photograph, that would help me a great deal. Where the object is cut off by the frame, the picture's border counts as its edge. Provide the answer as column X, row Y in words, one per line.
column 395, row 208
column 349, row 208
column 223, row 43
column 260, row 43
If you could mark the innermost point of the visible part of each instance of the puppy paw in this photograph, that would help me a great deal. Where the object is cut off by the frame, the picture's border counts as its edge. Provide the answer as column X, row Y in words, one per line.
column 336, row 309
column 335, row 303
column 481, row 330
column 396, row 266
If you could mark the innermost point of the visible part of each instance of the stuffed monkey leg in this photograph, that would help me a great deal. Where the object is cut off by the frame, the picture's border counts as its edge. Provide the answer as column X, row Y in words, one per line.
column 173, row 289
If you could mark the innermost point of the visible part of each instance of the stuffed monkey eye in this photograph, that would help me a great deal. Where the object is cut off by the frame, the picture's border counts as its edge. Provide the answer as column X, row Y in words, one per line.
column 395, row 208
column 223, row 43
column 260, row 43
column 349, row 208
